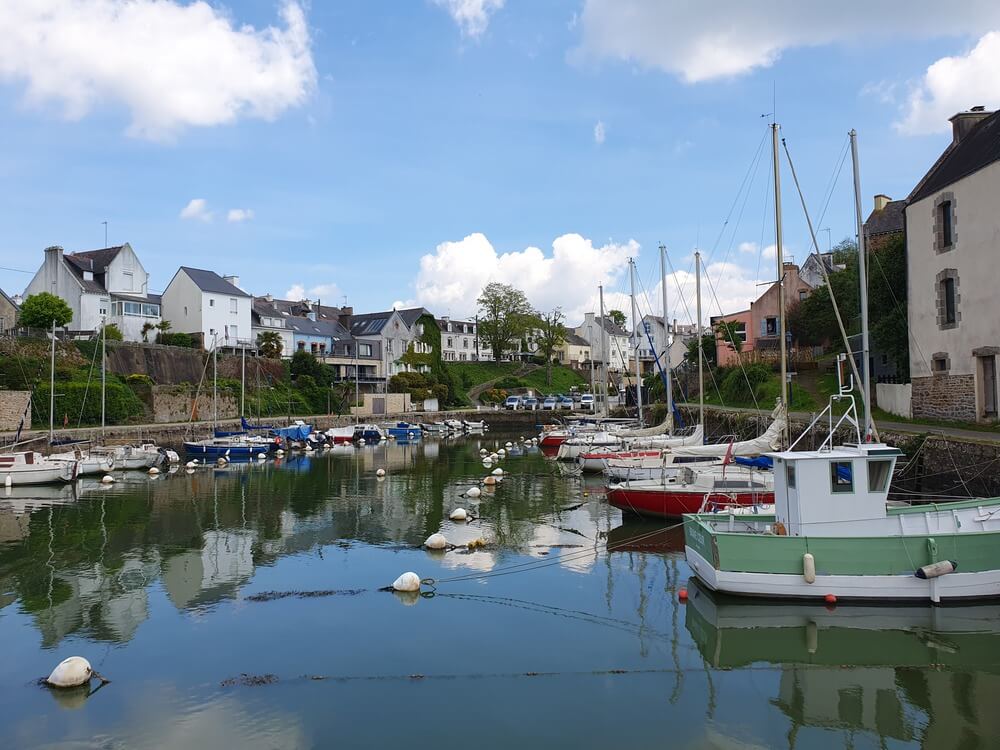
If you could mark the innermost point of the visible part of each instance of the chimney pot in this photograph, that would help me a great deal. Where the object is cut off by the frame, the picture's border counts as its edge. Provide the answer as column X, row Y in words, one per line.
column 234, row 280
column 881, row 201
column 963, row 122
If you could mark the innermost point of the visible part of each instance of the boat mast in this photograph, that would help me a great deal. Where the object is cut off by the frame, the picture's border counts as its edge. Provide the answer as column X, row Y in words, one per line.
column 781, row 280
column 243, row 380
column 215, row 383
column 666, row 339
column 52, row 385
column 635, row 335
column 604, row 351
column 104, row 341
column 701, row 347
column 866, row 381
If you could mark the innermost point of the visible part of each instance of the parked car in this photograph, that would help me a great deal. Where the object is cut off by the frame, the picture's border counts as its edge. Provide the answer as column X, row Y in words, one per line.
column 566, row 402
column 513, row 402
column 587, row 401
column 530, row 403
column 551, row 403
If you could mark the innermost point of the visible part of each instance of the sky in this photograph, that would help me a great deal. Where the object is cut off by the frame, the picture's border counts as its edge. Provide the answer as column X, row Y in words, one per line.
column 408, row 153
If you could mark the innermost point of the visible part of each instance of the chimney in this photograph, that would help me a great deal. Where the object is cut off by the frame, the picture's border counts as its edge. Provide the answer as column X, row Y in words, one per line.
column 964, row 122
column 881, row 201
column 347, row 311
column 268, row 297
column 53, row 251
column 234, row 280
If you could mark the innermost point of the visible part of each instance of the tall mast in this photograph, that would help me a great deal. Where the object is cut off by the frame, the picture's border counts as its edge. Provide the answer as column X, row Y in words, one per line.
column 52, row 386
column 215, row 382
column 104, row 351
column 781, row 280
column 866, row 379
column 701, row 347
column 604, row 349
column 635, row 334
column 666, row 339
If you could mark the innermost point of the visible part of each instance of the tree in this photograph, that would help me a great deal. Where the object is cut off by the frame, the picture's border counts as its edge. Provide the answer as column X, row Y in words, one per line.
column 305, row 363
column 617, row 317
column 504, row 314
column 887, row 303
column 269, row 344
column 113, row 333
column 147, row 327
column 731, row 332
column 163, row 326
column 552, row 334
column 708, row 347
column 40, row 310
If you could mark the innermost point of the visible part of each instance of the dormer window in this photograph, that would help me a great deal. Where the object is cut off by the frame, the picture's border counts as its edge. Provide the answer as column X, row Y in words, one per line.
column 841, row 476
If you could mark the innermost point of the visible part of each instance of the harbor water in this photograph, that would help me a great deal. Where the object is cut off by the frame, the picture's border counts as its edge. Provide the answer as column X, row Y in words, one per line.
column 241, row 607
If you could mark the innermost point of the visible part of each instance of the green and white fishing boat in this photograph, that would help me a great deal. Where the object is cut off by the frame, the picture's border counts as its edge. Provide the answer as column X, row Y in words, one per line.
column 832, row 535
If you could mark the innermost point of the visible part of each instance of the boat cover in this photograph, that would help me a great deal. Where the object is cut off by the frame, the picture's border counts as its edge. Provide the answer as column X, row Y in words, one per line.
column 295, row 432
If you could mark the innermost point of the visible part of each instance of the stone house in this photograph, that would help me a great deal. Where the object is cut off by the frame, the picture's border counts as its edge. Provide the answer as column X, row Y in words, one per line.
column 952, row 244
column 8, row 312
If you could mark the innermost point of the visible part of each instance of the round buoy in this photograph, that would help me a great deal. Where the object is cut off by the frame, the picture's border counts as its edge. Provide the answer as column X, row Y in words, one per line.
column 71, row 672
column 473, row 492
column 191, row 464
column 107, row 479
column 380, row 473
column 682, row 595
column 407, row 582
column 830, row 599
column 508, row 444
column 498, row 472
column 501, row 452
column 189, row 471
column 490, row 480
column 483, row 452
column 261, row 457
column 494, row 456
column 279, row 452
column 586, row 494
column 434, row 541
column 459, row 514
column 153, row 471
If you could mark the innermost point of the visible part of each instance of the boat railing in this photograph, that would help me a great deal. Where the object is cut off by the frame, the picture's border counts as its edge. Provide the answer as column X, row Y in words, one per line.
column 850, row 415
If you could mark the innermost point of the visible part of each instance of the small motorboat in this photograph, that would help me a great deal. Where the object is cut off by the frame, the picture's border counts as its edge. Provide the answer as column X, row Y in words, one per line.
column 139, row 457
column 479, row 426
column 341, row 435
column 229, row 447
column 88, row 462
column 404, row 430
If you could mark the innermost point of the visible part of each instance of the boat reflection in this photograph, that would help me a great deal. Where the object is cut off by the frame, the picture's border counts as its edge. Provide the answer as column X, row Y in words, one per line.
column 924, row 674
column 640, row 535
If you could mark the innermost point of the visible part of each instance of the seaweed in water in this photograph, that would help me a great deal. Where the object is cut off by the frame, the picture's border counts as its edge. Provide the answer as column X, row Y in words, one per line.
column 270, row 596
column 251, row 680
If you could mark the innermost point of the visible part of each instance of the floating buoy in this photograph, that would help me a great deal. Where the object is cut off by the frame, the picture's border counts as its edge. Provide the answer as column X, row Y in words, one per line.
column 191, row 464
column 220, row 461
column 189, row 471
column 682, row 595
column 153, row 471
column 508, row 444
column 586, row 494
column 501, row 453
column 830, row 599
column 279, row 452
column 380, row 473
column 261, row 457
column 476, row 544
column 473, row 492
column 483, row 452
column 407, row 582
column 72, row 672
column 107, row 479
column 459, row 514
column 498, row 472
column 494, row 456
column 434, row 541
column 809, row 568
column 490, row 480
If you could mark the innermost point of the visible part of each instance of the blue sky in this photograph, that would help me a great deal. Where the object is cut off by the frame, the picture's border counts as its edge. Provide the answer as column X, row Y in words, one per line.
column 361, row 142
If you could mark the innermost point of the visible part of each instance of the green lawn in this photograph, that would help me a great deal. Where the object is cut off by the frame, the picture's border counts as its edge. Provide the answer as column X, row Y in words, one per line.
column 468, row 375
column 767, row 393
column 563, row 378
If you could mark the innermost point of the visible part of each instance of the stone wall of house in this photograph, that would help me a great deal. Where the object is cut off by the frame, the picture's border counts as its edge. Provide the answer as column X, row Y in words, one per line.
column 13, row 405
column 951, row 397
column 173, row 404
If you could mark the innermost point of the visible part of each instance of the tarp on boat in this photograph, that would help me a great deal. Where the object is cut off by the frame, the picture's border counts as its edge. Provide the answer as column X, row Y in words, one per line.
column 758, row 462
column 295, row 432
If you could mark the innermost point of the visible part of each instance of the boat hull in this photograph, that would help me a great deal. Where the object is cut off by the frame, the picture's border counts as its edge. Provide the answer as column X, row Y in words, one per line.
column 24, row 476
column 667, row 503
column 227, row 451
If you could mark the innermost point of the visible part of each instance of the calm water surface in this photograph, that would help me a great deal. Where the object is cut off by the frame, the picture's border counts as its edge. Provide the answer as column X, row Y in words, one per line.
column 156, row 581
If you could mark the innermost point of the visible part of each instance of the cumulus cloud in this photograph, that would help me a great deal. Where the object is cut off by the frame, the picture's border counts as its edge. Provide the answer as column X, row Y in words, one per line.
column 599, row 133
column 196, row 210
column 328, row 294
column 770, row 252
column 472, row 16
column 953, row 84
column 737, row 37
column 173, row 65
column 237, row 215
column 451, row 277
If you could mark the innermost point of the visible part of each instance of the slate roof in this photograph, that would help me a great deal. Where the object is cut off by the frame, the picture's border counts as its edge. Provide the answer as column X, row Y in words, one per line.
column 610, row 326
column 887, row 221
column 576, row 340
column 412, row 315
column 95, row 261
column 210, row 281
column 155, row 299
column 9, row 299
column 979, row 148
column 369, row 324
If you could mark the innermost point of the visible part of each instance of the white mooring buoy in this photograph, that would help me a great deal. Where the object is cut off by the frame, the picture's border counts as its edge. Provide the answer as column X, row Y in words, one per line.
column 71, row 672
column 380, row 473
column 407, row 582
column 153, row 471
column 434, row 541
column 498, row 472
column 107, row 479
column 490, row 480
column 473, row 492
column 459, row 514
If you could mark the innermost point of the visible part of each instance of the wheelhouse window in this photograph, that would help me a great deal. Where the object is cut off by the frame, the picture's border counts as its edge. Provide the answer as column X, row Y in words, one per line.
column 879, row 473
column 790, row 475
column 841, row 476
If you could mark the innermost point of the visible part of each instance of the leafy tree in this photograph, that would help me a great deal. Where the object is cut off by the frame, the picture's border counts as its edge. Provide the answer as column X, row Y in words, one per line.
column 617, row 317
column 708, row 347
column 551, row 335
column 163, row 326
column 269, row 344
column 147, row 328
column 730, row 331
column 39, row 310
column 305, row 363
column 504, row 315
column 113, row 333
column 887, row 303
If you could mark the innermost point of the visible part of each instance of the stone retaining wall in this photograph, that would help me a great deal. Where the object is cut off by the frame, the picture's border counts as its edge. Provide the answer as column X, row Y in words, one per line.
column 173, row 404
column 13, row 405
column 950, row 397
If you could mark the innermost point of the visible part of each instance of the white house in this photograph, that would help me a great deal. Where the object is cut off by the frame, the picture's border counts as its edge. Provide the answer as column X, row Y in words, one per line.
column 952, row 231
column 391, row 333
column 460, row 341
column 648, row 354
column 208, row 305
column 616, row 340
column 108, row 284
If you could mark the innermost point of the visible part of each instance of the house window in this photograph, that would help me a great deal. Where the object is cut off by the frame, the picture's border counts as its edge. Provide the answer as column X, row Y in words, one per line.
column 302, row 346
column 128, row 280
column 940, row 362
column 449, row 342
column 948, row 290
column 803, row 294
column 841, row 476
column 771, row 326
column 364, row 350
column 949, row 297
column 388, row 346
column 790, row 475
column 878, row 475
column 314, row 347
column 151, row 311
column 945, row 218
column 465, row 343
column 233, row 305
column 211, row 302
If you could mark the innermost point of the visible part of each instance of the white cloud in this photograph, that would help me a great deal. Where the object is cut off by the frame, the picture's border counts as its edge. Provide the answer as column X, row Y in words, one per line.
column 196, row 210
column 172, row 65
column 237, row 215
column 599, row 133
column 953, row 84
column 737, row 37
column 472, row 16
column 450, row 278
column 328, row 294
column 770, row 252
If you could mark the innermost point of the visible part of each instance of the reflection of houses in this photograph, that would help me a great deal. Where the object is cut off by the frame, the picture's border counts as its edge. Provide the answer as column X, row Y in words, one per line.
column 216, row 571
column 108, row 284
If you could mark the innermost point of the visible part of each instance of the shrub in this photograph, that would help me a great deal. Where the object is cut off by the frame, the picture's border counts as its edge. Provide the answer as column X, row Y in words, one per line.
column 137, row 378
column 493, row 396
column 185, row 340
column 509, row 383
column 735, row 387
column 113, row 333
